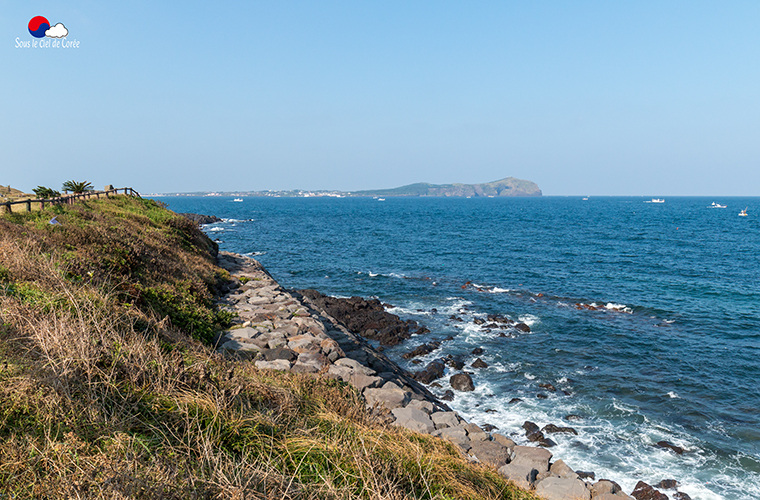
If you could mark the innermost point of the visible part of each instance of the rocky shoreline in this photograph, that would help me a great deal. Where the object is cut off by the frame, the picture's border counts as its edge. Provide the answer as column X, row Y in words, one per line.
column 307, row 332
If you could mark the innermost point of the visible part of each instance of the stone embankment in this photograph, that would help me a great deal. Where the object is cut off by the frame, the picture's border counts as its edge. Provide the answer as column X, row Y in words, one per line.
column 287, row 330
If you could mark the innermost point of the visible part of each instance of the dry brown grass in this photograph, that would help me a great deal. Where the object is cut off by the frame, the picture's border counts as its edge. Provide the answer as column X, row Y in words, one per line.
column 103, row 398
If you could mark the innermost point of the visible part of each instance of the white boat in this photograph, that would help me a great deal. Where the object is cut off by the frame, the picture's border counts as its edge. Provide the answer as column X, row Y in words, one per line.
column 585, row 199
column 743, row 213
column 381, row 199
column 658, row 200
column 238, row 199
column 718, row 205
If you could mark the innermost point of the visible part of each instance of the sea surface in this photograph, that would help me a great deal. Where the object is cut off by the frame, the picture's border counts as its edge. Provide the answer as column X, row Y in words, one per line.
column 644, row 316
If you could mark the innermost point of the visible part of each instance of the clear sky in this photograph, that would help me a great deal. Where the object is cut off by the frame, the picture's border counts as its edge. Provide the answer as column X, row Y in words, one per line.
column 582, row 97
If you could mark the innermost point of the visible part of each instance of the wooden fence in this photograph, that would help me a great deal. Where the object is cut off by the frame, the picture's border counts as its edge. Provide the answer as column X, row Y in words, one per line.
column 7, row 207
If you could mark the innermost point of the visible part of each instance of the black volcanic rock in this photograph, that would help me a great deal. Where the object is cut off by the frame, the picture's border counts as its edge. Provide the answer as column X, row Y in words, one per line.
column 462, row 382
column 554, row 429
column 201, row 219
column 643, row 491
column 433, row 371
column 522, row 327
column 366, row 317
column 421, row 350
column 479, row 363
column 670, row 446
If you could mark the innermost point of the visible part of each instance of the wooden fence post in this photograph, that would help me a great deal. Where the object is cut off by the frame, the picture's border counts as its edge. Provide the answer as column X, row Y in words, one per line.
column 28, row 205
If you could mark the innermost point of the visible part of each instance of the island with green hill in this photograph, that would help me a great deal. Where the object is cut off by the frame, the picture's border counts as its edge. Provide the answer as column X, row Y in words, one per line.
column 509, row 186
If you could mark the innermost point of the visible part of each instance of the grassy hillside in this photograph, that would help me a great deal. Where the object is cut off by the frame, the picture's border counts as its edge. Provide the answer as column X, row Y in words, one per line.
column 8, row 193
column 108, row 389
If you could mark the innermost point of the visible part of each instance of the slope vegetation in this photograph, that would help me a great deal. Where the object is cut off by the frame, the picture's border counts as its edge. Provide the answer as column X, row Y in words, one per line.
column 108, row 388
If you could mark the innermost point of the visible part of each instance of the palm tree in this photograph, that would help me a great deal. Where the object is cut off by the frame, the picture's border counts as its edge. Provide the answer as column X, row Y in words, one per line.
column 77, row 187
column 46, row 192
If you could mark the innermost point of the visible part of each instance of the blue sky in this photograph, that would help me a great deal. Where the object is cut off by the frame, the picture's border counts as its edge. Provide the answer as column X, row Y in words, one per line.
column 599, row 98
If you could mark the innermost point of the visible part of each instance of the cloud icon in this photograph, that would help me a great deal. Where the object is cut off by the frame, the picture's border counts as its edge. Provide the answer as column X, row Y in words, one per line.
column 57, row 31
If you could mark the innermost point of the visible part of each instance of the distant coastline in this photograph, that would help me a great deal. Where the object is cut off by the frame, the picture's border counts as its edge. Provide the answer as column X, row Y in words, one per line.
column 507, row 187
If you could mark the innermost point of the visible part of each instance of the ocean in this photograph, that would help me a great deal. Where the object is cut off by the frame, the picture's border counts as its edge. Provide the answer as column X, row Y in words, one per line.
column 644, row 316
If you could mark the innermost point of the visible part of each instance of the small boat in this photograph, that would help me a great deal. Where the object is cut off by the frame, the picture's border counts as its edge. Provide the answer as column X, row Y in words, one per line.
column 585, row 199
column 381, row 199
column 658, row 200
column 238, row 199
column 743, row 213
column 718, row 205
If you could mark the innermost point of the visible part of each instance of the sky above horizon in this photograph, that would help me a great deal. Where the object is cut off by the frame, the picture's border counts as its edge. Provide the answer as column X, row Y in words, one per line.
column 581, row 97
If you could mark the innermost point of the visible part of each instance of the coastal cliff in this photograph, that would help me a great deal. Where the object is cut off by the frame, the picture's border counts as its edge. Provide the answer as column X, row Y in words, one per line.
column 138, row 361
column 112, row 385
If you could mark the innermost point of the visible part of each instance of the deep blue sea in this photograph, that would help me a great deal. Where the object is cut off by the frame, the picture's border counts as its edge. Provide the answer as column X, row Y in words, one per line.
column 668, row 350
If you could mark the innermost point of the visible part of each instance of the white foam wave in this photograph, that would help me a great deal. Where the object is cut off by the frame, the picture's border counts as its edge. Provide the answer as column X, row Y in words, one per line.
column 372, row 275
column 622, row 451
column 529, row 319
column 529, row 376
column 254, row 254
column 673, row 395
column 611, row 306
column 215, row 229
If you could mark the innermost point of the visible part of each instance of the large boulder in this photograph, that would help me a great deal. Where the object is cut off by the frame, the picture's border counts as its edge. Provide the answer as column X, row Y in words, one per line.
column 562, row 488
column 561, row 469
column 553, row 429
column 605, row 486
column 422, row 349
column 433, row 371
column 527, row 463
column 523, row 475
column 389, row 397
column 456, row 435
column 462, row 382
column 444, row 419
column 414, row 419
column 643, row 491
column 490, row 452
column 479, row 363
column 279, row 353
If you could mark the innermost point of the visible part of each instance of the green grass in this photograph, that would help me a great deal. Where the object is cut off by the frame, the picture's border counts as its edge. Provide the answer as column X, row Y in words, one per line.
column 107, row 389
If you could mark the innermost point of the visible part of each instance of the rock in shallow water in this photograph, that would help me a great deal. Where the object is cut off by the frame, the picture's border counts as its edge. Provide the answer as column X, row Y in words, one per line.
column 643, row 491
column 670, row 446
column 462, row 382
column 433, row 371
column 479, row 363
column 553, row 429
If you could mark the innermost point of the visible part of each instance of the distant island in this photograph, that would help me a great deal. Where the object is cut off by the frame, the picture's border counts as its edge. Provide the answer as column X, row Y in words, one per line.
column 508, row 186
